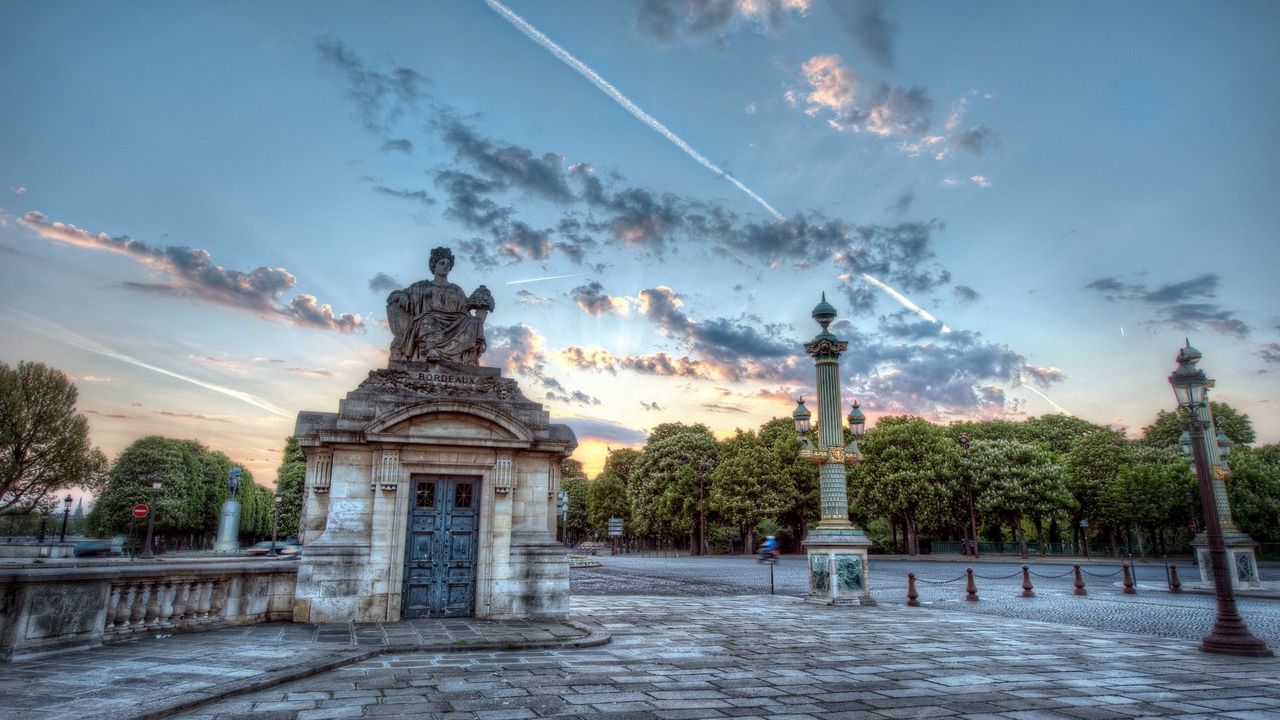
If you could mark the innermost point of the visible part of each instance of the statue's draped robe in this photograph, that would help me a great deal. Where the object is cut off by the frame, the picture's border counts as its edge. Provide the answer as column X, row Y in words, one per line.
column 434, row 322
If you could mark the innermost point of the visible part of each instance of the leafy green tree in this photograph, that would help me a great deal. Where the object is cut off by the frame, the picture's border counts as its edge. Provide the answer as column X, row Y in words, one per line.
column 1148, row 493
column 749, row 485
column 1168, row 425
column 1057, row 432
column 573, row 480
column 1018, row 480
column 779, row 435
column 667, row 487
column 1253, row 490
column 908, row 472
column 620, row 463
column 1093, row 462
column 606, row 498
column 290, row 479
column 44, row 444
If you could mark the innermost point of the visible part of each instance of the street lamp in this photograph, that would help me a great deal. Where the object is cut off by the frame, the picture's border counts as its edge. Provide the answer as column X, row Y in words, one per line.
column 275, row 521
column 836, row 551
column 66, row 513
column 968, row 482
column 156, row 483
column 1229, row 636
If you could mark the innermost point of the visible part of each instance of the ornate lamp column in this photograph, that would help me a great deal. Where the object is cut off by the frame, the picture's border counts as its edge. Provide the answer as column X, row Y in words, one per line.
column 1229, row 636
column 836, row 550
column 1242, row 560
column 229, row 524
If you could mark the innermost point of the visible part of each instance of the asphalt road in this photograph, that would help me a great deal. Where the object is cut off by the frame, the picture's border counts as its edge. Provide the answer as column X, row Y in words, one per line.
column 941, row 584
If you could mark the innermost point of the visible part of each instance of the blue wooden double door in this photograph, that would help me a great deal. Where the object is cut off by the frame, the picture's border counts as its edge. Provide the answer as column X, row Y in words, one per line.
column 440, row 552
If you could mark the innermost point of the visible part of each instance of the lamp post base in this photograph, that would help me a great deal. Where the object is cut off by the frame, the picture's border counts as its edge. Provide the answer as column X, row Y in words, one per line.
column 837, row 567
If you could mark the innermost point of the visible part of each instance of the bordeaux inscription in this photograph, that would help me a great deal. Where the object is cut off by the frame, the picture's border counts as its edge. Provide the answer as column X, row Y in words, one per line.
column 391, row 381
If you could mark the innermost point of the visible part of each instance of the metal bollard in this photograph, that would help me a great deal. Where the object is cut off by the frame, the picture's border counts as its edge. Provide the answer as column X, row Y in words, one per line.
column 1175, row 585
column 1026, row 583
column 1080, row 582
column 1128, row 580
column 913, row 598
column 971, row 591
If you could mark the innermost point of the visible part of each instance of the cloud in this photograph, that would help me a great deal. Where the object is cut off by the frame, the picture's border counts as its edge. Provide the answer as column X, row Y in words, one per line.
column 528, row 299
column 855, row 104
column 113, row 416
column 965, row 294
column 903, row 203
column 191, row 416
column 977, row 139
column 1270, row 352
column 381, row 98
column 718, row 407
column 980, row 180
column 403, row 145
column 667, row 20
column 595, row 301
column 508, row 165
column 650, row 406
column 419, row 196
column 18, row 190
column 605, row 430
column 194, row 275
column 383, row 283
column 865, row 21
column 1182, row 305
column 518, row 349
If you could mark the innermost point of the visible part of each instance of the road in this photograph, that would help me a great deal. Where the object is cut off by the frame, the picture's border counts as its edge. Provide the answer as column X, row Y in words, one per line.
column 940, row 584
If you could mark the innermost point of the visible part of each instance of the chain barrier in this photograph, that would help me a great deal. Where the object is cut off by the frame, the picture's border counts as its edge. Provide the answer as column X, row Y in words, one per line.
column 1052, row 577
column 940, row 582
column 1101, row 575
column 1016, row 573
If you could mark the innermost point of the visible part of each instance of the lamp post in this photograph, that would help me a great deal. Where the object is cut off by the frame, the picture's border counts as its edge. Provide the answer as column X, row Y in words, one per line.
column 44, row 523
column 1229, row 636
column 275, row 520
column 66, row 513
column 156, row 482
column 968, row 482
column 1190, row 498
column 836, row 550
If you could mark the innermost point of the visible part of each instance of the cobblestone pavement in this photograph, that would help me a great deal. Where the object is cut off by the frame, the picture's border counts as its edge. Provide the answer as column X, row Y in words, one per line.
column 777, row 657
column 940, row 584
column 156, row 674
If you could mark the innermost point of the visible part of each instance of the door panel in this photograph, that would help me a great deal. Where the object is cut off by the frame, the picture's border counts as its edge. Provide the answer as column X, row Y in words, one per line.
column 440, row 554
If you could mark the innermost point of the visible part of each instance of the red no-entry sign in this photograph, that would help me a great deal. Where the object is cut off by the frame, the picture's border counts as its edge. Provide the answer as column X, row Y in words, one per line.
column 139, row 511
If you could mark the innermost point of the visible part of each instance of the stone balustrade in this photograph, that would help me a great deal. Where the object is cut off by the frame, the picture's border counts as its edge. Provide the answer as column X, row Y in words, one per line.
column 72, row 605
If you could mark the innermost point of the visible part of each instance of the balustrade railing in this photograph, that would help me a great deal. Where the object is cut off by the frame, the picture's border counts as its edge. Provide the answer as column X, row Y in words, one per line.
column 77, row 605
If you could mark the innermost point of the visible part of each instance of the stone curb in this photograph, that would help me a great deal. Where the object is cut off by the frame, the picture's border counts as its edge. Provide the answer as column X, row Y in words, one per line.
column 167, row 707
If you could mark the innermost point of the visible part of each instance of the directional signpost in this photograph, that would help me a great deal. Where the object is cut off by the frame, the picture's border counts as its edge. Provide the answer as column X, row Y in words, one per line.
column 615, row 532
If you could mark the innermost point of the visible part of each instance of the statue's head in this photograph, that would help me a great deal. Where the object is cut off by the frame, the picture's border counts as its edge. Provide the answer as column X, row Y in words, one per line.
column 438, row 254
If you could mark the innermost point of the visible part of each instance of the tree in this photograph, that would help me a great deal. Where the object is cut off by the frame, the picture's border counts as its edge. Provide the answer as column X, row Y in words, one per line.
column 667, row 487
column 44, row 444
column 908, row 472
column 290, row 478
column 779, row 435
column 573, row 480
column 1253, row 490
column 749, row 485
column 1148, row 493
column 1017, row 480
column 1093, row 462
column 606, row 498
column 1168, row 426
column 1057, row 432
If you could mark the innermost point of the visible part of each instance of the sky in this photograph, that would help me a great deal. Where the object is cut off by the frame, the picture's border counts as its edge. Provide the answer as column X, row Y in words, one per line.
column 1016, row 208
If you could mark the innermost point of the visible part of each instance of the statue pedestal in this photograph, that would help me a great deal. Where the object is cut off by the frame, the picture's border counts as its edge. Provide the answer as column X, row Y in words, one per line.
column 1242, row 560
column 838, row 567
column 228, row 541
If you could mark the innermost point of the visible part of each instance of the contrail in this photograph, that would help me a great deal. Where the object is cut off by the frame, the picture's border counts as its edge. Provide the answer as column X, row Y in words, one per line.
column 61, row 334
column 644, row 117
column 613, row 92
column 1061, row 409
column 549, row 277
column 905, row 302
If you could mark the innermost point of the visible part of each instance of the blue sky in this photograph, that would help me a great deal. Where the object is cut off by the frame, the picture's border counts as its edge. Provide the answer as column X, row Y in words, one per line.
column 1017, row 208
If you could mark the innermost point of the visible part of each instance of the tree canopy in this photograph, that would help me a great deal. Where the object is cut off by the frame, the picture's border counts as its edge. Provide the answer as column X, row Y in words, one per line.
column 44, row 444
